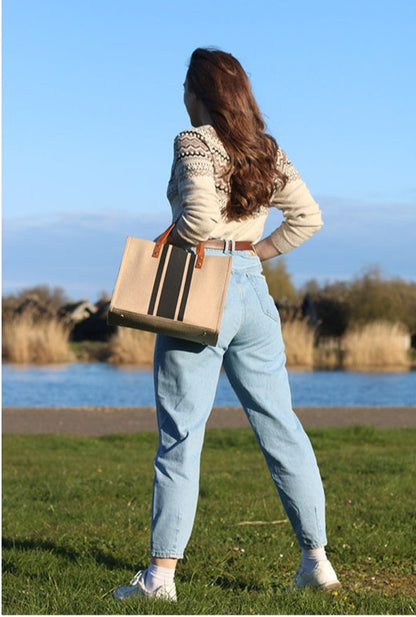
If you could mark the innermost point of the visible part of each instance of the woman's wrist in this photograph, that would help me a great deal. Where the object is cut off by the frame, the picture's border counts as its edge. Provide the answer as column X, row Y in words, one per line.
column 265, row 249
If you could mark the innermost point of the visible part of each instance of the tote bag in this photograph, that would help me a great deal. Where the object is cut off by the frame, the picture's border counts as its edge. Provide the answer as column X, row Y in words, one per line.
column 169, row 290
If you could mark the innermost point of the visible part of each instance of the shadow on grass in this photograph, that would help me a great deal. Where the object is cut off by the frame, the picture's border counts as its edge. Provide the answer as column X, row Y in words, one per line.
column 232, row 583
column 101, row 557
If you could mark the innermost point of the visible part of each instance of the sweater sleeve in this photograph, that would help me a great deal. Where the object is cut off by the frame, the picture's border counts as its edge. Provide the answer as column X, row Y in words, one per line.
column 302, row 215
column 193, row 172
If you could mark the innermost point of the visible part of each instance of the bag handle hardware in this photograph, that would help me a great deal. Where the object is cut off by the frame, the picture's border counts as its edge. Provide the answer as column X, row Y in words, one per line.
column 163, row 238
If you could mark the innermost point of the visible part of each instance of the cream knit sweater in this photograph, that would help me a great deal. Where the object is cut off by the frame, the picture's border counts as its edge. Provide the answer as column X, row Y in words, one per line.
column 198, row 192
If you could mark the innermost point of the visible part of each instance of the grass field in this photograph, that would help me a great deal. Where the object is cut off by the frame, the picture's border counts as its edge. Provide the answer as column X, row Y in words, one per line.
column 76, row 525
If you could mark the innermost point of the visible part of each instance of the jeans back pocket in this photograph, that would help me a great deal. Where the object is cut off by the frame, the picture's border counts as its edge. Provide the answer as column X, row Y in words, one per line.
column 259, row 284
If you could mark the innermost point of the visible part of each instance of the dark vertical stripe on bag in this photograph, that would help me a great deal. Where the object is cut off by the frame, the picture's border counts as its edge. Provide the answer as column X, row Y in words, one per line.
column 172, row 284
column 158, row 277
column 187, row 286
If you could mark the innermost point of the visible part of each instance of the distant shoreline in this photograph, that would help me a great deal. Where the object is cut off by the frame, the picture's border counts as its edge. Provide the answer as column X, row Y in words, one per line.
column 111, row 420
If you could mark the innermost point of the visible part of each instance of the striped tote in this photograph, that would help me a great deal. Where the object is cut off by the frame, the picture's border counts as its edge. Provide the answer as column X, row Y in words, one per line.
column 169, row 290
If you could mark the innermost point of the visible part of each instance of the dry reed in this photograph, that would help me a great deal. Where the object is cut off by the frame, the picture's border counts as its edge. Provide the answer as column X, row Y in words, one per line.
column 376, row 346
column 129, row 346
column 328, row 353
column 27, row 339
column 298, row 337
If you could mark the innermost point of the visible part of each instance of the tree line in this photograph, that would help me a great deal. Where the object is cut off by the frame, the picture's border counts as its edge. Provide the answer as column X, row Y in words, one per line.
column 339, row 305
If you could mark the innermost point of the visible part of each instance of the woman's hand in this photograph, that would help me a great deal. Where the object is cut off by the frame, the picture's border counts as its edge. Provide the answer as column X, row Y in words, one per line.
column 265, row 249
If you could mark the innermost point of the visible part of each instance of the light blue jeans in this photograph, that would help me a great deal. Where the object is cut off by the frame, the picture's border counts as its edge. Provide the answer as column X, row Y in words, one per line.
column 250, row 347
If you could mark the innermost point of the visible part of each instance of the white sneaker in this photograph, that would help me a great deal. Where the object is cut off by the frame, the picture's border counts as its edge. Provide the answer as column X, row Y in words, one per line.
column 322, row 577
column 137, row 588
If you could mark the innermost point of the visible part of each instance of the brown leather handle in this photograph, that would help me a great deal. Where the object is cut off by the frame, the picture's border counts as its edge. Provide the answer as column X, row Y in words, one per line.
column 163, row 238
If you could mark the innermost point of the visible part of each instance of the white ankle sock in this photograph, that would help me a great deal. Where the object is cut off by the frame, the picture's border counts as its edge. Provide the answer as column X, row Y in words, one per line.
column 156, row 576
column 310, row 557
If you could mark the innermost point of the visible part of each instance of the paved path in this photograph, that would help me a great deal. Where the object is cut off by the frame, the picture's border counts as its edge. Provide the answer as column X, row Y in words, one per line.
column 108, row 420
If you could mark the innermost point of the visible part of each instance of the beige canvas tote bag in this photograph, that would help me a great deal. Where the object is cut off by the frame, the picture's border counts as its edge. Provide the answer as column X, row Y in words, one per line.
column 166, row 289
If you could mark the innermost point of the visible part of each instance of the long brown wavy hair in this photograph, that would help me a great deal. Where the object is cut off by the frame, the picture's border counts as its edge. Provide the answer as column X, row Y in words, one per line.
column 220, row 82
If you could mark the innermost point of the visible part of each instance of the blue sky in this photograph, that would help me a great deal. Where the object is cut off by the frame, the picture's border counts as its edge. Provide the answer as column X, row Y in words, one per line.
column 92, row 99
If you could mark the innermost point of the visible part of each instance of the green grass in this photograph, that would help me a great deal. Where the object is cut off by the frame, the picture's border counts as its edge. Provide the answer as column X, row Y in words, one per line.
column 76, row 517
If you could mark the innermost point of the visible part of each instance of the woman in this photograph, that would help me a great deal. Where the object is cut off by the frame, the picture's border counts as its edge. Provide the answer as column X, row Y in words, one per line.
column 226, row 174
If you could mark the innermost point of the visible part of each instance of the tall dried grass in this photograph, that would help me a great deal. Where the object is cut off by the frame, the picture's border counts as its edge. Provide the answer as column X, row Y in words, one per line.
column 376, row 346
column 29, row 339
column 328, row 353
column 298, row 337
column 129, row 346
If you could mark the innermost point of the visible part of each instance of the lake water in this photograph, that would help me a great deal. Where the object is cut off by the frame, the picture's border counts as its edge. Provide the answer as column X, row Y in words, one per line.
column 101, row 384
